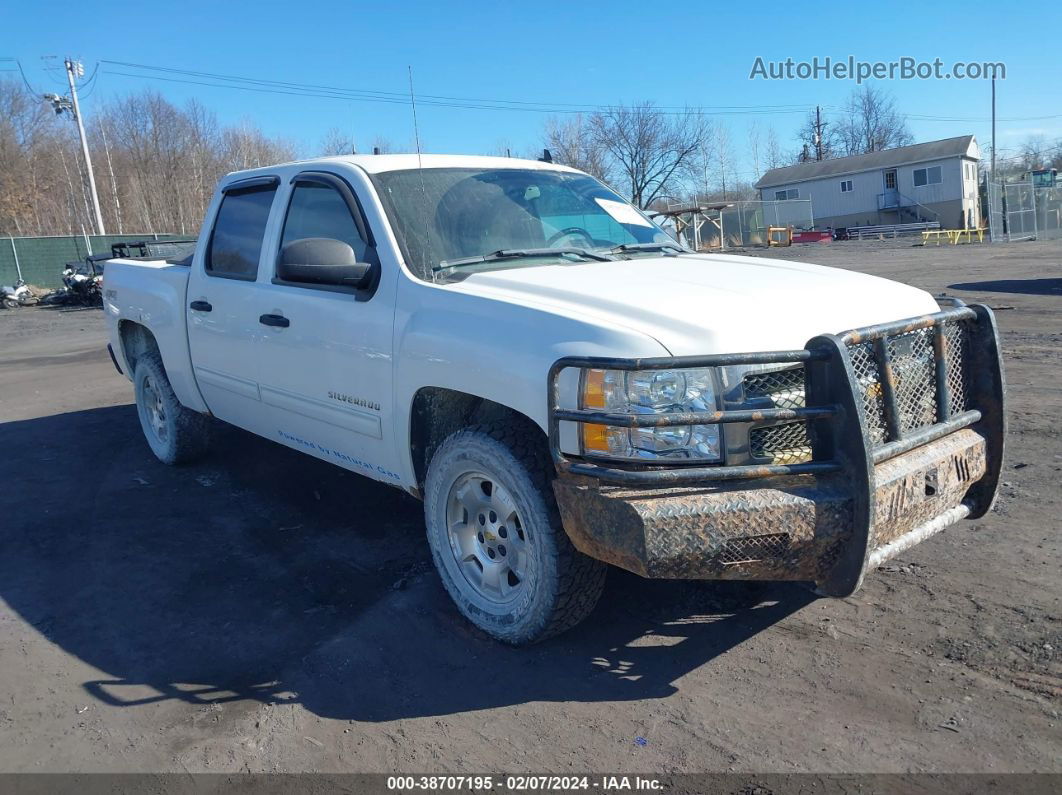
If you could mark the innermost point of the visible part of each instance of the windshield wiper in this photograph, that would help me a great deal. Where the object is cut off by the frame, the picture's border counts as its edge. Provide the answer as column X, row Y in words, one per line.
column 516, row 253
column 648, row 247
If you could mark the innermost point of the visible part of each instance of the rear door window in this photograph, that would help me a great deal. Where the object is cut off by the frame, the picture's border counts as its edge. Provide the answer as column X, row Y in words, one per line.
column 236, row 242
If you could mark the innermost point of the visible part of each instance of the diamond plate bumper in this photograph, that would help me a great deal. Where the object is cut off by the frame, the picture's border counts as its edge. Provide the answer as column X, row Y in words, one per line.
column 781, row 528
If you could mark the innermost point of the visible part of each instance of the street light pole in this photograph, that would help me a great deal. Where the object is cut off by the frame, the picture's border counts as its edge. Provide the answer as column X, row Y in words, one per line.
column 71, row 66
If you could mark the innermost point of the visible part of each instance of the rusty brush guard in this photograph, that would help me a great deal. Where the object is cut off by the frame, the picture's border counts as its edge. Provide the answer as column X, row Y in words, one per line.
column 904, row 424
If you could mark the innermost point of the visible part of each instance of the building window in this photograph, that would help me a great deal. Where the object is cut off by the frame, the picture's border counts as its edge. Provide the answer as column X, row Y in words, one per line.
column 927, row 176
column 784, row 195
column 846, row 186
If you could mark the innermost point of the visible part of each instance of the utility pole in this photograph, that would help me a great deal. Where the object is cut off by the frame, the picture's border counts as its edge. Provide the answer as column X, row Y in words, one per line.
column 71, row 67
column 993, row 127
column 819, row 148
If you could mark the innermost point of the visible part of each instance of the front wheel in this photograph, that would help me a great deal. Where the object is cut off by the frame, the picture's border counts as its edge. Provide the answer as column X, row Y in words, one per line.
column 175, row 434
column 497, row 540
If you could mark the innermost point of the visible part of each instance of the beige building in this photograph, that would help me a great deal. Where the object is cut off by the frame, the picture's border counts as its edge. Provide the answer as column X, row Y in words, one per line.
column 933, row 181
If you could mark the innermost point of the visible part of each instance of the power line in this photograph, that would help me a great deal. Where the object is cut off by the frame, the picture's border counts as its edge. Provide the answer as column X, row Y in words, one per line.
column 399, row 94
column 389, row 97
column 24, row 80
column 970, row 119
column 1027, row 155
column 90, row 83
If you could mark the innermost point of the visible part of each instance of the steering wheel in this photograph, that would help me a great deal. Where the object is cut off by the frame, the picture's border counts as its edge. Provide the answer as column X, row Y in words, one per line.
column 571, row 230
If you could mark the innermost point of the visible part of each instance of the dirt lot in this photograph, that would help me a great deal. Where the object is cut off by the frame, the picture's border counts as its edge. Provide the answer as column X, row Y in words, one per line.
column 264, row 611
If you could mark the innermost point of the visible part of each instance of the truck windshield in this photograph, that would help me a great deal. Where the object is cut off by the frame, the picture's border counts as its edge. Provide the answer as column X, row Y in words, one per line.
column 446, row 218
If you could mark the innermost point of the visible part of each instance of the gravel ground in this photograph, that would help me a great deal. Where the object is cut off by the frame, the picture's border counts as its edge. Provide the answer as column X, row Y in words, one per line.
column 264, row 611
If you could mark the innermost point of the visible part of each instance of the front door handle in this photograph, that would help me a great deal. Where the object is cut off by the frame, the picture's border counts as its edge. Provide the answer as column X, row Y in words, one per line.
column 274, row 320
column 200, row 306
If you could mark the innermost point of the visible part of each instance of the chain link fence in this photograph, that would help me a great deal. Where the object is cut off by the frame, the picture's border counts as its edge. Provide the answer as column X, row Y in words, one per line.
column 745, row 223
column 1022, row 211
column 1048, row 213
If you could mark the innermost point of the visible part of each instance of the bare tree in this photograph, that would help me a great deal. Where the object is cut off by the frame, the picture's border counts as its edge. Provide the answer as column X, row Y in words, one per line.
column 383, row 146
column 870, row 122
column 336, row 142
column 819, row 138
column 724, row 160
column 35, row 195
column 156, row 164
column 650, row 152
column 573, row 142
column 1034, row 153
column 774, row 156
column 755, row 147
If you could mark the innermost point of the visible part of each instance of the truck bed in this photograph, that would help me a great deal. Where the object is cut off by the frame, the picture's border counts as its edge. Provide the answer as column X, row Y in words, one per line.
column 153, row 293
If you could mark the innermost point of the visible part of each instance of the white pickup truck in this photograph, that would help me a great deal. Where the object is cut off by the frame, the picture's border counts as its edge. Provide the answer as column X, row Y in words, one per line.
column 561, row 383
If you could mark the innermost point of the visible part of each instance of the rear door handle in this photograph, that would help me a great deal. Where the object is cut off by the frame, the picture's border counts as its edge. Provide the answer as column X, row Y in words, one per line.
column 200, row 306
column 274, row 320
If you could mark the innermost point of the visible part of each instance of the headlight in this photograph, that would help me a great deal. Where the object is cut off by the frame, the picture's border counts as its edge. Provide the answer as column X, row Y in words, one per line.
column 651, row 392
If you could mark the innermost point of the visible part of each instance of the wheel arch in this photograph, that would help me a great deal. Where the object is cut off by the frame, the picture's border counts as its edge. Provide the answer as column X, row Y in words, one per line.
column 437, row 412
column 136, row 339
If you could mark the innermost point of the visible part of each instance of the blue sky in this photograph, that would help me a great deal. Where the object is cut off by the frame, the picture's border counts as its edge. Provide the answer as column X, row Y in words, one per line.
column 558, row 54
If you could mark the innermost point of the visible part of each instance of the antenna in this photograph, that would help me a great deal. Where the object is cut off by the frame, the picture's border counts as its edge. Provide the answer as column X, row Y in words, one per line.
column 420, row 170
column 413, row 103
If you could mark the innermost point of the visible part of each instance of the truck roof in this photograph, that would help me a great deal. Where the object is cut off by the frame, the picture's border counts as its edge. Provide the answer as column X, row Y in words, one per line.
column 376, row 164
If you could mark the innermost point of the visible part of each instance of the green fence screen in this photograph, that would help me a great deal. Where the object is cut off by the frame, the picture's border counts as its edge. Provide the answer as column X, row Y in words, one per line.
column 42, row 259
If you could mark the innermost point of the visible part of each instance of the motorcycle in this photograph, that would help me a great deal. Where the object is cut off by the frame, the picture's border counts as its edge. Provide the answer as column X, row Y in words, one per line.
column 83, row 288
column 17, row 296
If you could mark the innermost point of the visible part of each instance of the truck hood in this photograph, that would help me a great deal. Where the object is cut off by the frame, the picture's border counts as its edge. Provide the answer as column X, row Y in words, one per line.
column 710, row 303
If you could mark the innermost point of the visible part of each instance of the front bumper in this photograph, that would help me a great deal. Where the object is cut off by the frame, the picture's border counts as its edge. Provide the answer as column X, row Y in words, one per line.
column 780, row 528
column 875, row 485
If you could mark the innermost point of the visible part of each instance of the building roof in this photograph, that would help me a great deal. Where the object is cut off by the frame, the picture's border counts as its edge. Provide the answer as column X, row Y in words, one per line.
column 963, row 145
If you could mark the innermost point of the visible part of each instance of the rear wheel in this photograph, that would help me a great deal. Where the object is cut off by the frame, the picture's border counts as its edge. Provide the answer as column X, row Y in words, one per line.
column 496, row 537
column 175, row 434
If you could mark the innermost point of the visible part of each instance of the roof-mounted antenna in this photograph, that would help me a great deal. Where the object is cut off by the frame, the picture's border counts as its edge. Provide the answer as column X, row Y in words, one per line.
column 413, row 104
column 420, row 169
column 546, row 157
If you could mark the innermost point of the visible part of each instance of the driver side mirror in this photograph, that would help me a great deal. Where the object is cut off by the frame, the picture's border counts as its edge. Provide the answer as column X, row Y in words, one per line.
column 322, row 260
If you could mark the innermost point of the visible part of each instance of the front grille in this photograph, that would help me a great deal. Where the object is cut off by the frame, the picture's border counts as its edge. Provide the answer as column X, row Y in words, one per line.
column 787, row 443
column 783, row 388
column 913, row 365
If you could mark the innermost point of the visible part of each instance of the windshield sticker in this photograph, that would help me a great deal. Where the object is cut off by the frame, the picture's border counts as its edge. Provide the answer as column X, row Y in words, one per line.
column 622, row 212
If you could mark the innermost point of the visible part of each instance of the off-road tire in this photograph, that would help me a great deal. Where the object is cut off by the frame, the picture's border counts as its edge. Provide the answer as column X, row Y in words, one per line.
column 563, row 585
column 186, row 433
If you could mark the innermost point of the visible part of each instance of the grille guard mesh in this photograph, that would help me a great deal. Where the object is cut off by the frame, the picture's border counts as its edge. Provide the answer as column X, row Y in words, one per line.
column 919, row 402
